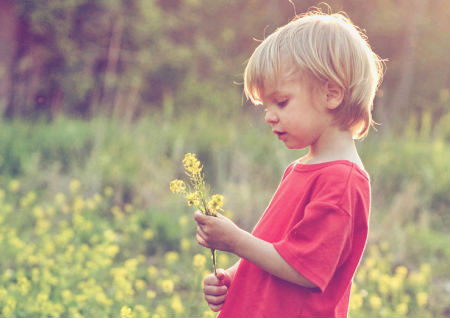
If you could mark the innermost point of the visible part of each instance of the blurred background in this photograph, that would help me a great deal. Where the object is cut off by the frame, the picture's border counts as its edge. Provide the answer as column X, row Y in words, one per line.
column 99, row 102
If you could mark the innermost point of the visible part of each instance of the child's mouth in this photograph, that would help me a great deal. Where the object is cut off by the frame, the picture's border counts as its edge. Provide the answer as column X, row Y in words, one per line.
column 280, row 134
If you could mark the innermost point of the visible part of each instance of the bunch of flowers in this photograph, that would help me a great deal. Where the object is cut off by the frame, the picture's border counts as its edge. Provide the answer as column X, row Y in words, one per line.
column 196, row 191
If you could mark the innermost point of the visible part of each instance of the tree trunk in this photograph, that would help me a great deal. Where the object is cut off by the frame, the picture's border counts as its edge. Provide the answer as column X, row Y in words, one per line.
column 110, row 81
column 8, row 49
column 401, row 96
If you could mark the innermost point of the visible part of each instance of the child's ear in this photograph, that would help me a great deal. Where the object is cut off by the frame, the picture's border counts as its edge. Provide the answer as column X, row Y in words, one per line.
column 335, row 95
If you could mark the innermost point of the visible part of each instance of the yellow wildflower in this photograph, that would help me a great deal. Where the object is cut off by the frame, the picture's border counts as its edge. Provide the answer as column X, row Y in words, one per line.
column 422, row 299
column 185, row 244
column 208, row 314
column 117, row 212
column 3, row 293
column 140, row 284
column 396, row 283
column 402, row 308
column 14, row 186
column 67, row 296
column 192, row 199
column 183, row 220
column 74, row 186
column 101, row 298
column 109, row 235
column 126, row 312
column 192, row 164
column 198, row 191
column 8, row 310
column 356, row 301
column 148, row 234
column 160, row 311
column 417, row 279
column 152, row 271
column 97, row 198
column 141, row 311
column 375, row 302
column 28, row 199
column 401, row 271
column 35, row 274
column 73, row 311
column 78, row 204
column 151, row 294
column 216, row 203
column 177, row 186
column 167, row 286
column 176, row 305
column 42, row 297
column 374, row 274
column 23, row 284
column 199, row 260
column 171, row 257
column 370, row 262
column 38, row 212
column 131, row 264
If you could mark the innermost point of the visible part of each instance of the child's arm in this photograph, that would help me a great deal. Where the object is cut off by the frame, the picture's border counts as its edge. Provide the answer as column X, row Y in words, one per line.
column 222, row 234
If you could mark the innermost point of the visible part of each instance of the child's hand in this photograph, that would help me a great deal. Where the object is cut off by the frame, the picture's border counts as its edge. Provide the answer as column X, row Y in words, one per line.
column 216, row 288
column 218, row 232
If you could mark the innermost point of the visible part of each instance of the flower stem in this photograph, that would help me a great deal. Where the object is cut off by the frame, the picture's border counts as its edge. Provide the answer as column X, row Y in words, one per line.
column 213, row 252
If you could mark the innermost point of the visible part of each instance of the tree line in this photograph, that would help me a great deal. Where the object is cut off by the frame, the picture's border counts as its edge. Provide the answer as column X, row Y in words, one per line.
column 126, row 58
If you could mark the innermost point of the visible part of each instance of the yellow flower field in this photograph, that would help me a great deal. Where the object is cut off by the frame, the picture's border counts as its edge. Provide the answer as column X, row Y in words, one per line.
column 84, row 256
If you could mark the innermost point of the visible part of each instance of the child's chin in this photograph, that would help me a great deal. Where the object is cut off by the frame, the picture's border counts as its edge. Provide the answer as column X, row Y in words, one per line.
column 293, row 147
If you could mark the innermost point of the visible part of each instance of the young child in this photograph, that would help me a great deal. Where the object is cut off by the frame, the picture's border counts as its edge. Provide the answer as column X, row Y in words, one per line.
column 317, row 77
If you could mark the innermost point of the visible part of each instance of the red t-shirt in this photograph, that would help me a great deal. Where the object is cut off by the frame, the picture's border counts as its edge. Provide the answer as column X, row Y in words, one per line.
column 318, row 222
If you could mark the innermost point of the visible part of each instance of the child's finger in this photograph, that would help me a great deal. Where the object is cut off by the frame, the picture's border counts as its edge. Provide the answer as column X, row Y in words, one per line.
column 215, row 308
column 215, row 290
column 201, row 241
column 211, row 279
column 201, row 231
column 223, row 277
column 215, row 300
column 200, row 218
column 220, row 273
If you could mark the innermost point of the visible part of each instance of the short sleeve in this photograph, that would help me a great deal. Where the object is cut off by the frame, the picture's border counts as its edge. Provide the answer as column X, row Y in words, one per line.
column 318, row 243
column 288, row 170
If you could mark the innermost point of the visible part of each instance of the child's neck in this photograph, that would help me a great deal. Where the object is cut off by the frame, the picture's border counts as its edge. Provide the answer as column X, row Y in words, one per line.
column 333, row 144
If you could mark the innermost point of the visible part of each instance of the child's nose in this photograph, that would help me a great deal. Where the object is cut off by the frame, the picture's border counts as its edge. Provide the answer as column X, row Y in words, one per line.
column 270, row 117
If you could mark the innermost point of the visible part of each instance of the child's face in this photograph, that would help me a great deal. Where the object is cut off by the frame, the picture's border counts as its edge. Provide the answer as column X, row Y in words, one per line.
column 296, row 112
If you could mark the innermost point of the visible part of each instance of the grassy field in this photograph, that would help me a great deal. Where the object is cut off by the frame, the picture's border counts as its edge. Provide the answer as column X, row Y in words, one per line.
column 88, row 226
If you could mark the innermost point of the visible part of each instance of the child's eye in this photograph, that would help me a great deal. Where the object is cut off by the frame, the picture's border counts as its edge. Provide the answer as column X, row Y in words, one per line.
column 282, row 103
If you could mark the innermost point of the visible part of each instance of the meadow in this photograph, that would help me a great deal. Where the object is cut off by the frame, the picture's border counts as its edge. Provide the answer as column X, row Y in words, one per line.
column 89, row 228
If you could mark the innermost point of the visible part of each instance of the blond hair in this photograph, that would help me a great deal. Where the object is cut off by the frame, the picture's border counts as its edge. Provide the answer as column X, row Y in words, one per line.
column 323, row 47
